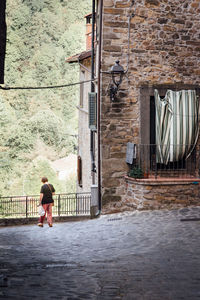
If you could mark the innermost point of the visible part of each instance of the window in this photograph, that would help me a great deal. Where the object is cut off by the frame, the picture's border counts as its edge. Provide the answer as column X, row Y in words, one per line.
column 82, row 91
column 179, row 164
column 173, row 156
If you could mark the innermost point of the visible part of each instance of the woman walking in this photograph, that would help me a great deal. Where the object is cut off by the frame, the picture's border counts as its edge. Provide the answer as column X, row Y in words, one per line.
column 46, row 200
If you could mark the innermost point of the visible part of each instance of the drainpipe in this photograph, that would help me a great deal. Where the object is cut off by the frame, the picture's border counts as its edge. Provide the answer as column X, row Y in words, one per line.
column 96, row 189
column 92, row 137
column 99, row 106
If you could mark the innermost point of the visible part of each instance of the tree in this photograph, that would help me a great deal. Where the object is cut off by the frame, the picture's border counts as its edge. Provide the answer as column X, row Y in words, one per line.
column 40, row 35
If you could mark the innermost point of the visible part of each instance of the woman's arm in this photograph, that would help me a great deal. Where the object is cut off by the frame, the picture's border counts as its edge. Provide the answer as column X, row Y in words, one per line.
column 41, row 196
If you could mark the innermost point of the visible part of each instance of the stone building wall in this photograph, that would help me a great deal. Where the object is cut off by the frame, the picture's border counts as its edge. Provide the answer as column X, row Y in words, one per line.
column 164, row 50
column 146, row 194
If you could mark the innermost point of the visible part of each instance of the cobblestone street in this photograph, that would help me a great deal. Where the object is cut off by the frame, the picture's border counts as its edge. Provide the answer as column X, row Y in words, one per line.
column 151, row 255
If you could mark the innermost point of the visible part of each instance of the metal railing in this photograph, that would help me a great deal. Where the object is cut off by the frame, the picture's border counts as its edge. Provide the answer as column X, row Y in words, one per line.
column 76, row 204
column 147, row 162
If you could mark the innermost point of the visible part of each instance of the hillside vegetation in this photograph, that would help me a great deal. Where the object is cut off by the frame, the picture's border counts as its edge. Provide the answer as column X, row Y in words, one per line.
column 38, row 126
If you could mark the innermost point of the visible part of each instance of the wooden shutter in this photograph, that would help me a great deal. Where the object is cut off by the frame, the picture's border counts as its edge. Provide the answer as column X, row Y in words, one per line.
column 79, row 171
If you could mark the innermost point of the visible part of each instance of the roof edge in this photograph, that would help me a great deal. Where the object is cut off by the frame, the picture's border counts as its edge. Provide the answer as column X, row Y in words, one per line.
column 78, row 57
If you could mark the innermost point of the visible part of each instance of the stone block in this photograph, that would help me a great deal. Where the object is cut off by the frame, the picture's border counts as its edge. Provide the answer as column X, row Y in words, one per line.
column 116, row 148
column 182, row 202
column 112, row 127
column 113, row 11
column 150, row 3
column 110, row 182
column 169, row 28
column 137, row 20
column 120, row 4
column 195, row 4
column 149, row 196
column 148, row 205
column 162, row 20
column 108, row 3
column 107, row 42
column 110, row 198
column 116, row 24
column 148, row 188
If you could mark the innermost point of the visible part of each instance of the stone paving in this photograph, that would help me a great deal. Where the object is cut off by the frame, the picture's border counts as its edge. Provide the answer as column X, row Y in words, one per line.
column 149, row 255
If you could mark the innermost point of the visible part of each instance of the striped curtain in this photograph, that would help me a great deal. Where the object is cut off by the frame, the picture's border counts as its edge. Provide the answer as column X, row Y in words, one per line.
column 177, row 125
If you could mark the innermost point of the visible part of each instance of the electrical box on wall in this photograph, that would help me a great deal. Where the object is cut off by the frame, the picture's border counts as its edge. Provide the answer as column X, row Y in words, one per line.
column 92, row 105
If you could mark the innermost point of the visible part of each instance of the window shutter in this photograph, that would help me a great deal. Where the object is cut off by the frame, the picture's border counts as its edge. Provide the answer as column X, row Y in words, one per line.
column 92, row 97
column 79, row 171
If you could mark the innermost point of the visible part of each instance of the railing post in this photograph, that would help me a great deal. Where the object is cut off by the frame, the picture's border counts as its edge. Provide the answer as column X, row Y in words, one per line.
column 76, row 205
column 59, row 205
column 156, row 170
column 7, row 210
column 26, row 207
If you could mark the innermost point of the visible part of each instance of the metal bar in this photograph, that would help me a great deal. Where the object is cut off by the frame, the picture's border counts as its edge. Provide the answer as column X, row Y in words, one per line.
column 76, row 205
column 59, row 206
column 26, row 207
column 179, row 166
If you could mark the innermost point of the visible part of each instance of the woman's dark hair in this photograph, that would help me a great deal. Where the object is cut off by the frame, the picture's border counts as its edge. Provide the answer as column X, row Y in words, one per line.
column 44, row 179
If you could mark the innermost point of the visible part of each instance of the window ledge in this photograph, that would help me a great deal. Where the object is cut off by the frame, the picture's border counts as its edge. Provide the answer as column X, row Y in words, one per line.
column 164, row 180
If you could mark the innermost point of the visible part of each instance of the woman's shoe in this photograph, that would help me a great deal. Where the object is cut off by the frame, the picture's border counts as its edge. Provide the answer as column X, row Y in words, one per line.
column 50, row 225
column 40, row 224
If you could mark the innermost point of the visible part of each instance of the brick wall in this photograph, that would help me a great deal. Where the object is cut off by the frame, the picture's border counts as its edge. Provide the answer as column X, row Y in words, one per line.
column 164, row 50
column 88, row 36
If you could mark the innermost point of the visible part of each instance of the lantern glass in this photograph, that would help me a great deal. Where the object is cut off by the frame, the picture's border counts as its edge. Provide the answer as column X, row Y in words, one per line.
column 117, row 78
column 117, row 72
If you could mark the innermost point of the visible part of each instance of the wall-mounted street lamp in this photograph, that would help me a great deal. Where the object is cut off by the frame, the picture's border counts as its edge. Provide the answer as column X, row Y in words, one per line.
column 117, row 72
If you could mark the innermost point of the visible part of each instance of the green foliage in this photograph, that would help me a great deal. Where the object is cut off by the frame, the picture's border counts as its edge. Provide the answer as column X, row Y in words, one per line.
column 40, row 35
column 32, row 178
column 48, row 126
column 7, row 117
column 70, row 186
column 136, row 172
column 19, row 139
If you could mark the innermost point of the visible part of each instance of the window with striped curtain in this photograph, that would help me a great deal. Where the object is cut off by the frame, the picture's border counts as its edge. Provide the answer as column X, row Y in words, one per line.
column 177, row 125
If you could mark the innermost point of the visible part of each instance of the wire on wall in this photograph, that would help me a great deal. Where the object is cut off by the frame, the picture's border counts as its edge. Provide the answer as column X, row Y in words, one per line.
column 131, row 15
column 6, row 87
